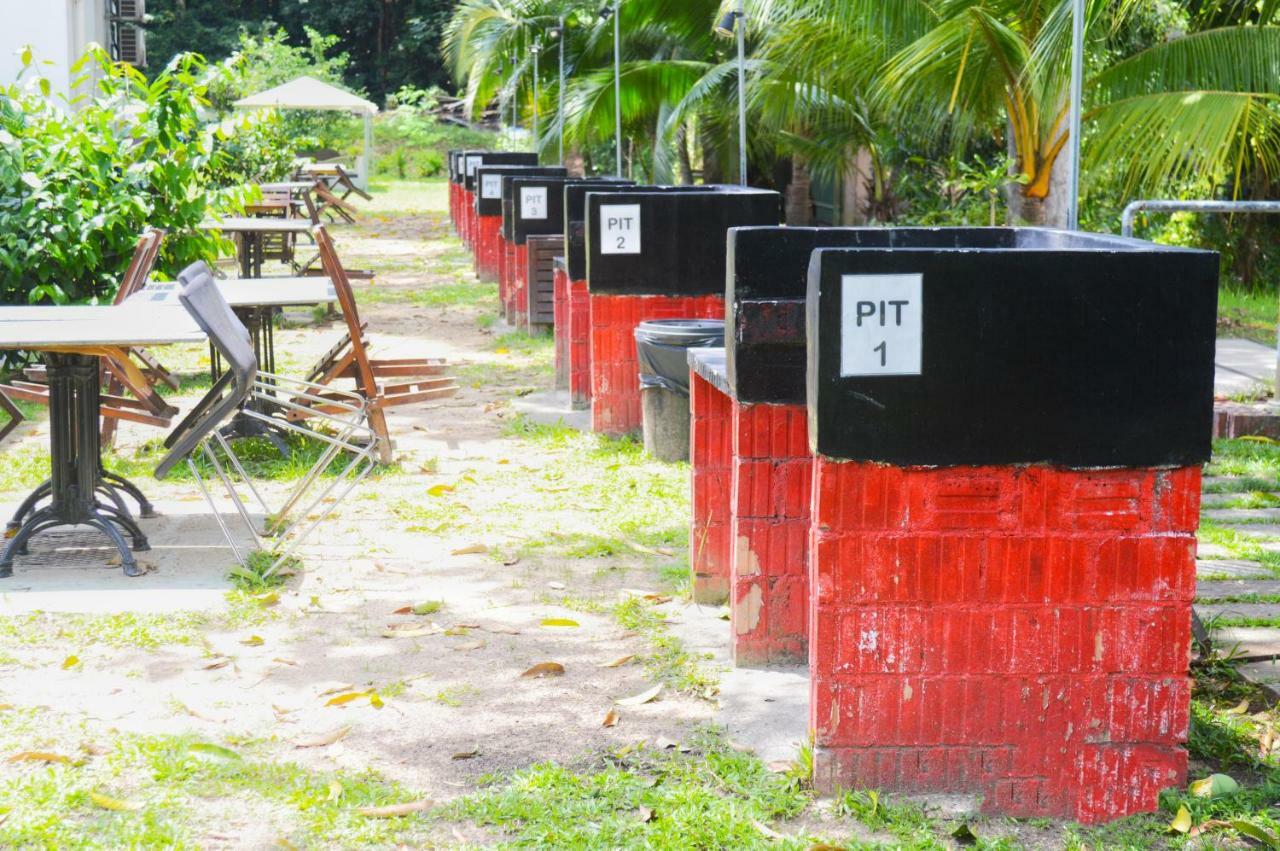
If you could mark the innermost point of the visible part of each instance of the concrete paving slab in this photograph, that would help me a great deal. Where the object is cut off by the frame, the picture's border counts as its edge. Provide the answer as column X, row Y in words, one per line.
column 1257, row 641
column 1231, row 567
column 766, row 711
column 1237, row 588
column 1256, row 530
column 1246, row 359
column 552, row 407
column 68, row 570
column 1209, row 611
column 1242, row 515
column 1211, row 551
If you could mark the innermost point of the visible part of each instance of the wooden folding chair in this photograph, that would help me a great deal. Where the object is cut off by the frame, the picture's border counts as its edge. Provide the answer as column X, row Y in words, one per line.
column 119, row 374
column 15, row 415
column 349, row 358
column 349, row 184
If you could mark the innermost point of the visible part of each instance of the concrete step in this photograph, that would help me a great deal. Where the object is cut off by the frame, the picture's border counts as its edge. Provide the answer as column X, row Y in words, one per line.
column 1231, row 567
column 1236, row 588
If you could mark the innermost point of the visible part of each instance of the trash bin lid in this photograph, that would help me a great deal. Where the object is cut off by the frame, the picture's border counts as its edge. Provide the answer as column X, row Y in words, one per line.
column 686, row 333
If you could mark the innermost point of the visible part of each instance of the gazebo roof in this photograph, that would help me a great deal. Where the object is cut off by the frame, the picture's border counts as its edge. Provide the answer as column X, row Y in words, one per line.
column 308, row 93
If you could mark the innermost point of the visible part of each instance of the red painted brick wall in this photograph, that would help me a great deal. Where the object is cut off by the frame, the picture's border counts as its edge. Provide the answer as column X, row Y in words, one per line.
column 560, row 330
column 453, row 205
column 710, row 456
column 520, row 286
column 579, row 345
column 772, row 471
column 1020, row 633
column 487, row 229
column 615, row 371
column 506, row 284
column 468, row 218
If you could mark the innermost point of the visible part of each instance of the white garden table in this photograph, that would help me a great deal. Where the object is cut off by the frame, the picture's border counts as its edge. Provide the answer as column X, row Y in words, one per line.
column 72, row 340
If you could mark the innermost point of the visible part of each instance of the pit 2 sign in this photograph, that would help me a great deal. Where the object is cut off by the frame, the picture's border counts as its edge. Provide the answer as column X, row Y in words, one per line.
column 620, row 229
column 881, row 324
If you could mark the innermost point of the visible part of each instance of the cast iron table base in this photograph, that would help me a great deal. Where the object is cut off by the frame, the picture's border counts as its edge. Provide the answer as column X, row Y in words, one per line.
column 76, row 477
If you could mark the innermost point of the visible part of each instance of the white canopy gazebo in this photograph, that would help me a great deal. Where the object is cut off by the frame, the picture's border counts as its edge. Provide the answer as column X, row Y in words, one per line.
column 310, row 93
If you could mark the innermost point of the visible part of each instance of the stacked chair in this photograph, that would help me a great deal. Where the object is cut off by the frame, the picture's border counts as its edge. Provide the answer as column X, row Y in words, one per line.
column 345, row 415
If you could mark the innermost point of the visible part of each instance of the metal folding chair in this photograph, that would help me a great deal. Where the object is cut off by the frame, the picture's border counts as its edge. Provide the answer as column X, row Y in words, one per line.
column 308, row 504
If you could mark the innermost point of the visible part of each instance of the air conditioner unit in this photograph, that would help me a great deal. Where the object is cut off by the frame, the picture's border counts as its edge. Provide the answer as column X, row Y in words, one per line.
column 127, row 10
column 129, row 44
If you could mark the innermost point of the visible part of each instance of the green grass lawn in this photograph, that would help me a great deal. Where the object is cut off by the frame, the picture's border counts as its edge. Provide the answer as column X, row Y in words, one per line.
column 407, row 196
column 1252, row 315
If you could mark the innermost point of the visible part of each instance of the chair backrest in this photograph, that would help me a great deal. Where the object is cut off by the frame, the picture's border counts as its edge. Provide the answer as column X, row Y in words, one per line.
column 194, row 271
column 347, row 300
column 309, row 198
column 140, row 266
column 228, row 335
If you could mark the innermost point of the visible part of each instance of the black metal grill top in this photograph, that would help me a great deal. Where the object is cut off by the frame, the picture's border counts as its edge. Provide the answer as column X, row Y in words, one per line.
column 1011, row 346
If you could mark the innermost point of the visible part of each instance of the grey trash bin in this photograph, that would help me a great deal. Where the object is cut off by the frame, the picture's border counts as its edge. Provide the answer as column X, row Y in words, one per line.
column 662, row 348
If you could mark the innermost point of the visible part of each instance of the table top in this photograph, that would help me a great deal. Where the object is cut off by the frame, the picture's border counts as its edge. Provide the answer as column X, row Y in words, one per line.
column 288, row 186
column 249, row 292
column 36, row 328
column 247, row 224
column 320, row 168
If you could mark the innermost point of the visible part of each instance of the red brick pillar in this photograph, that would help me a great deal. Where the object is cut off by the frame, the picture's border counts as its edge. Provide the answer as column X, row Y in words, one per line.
column 468, row 218
column 453, row 205
column 615, row 369
column 488, row 228
column 509, row 271
column 560, row 329
column 769, row 579
column 579, row 345
column 1022, row 632
column 520, row 286
column 710, row 456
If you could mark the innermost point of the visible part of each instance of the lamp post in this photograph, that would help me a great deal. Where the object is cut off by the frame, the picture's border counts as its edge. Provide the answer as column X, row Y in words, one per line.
column 557, row 32
column 536, row 49
column 732, row 23
column 605, row 13
column 1073, row 124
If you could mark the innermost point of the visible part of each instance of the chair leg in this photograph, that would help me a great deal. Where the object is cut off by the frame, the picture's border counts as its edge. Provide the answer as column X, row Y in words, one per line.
column 15, row 415
column 378, row 422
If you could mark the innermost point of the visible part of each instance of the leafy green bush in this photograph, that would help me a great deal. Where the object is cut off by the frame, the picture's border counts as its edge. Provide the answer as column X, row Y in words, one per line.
column 77, row 187
column 252, row 148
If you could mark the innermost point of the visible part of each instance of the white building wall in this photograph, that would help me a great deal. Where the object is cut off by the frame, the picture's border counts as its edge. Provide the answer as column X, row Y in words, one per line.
column 58, row 32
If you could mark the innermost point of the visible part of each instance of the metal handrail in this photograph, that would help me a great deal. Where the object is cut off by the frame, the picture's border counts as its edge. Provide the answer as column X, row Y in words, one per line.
column 1131, row 211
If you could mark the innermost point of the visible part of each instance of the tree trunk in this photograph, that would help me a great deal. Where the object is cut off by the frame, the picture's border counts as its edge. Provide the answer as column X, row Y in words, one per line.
column 682, row 153
column 574, row 163
column 799, row 199
column 712, row 168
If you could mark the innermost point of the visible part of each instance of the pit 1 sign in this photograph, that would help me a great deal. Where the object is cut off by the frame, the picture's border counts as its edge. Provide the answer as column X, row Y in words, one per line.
column 620, row 229
column 533, row 202
column 491, row 186
column 881, row 324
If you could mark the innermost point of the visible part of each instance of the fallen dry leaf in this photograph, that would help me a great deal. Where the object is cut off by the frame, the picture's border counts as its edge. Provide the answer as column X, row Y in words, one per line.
column 619, row 662
column 334, row 688
column 643, row 697
column 290, row 662
column 323, row 739
column 253, row 641
column 545, row 669
column 559, row 623
column 767, row 831
column 403, row 610
column 556, row 586
column 343, row 699
column 115, row 804
column 612, row 718
column 471, row 754
column 469, row 645
column 645, row 814
column 409, row 630
column 217, row 663
column 395, row 810
column 471, row 550
column 40, row 756
column 70, row 662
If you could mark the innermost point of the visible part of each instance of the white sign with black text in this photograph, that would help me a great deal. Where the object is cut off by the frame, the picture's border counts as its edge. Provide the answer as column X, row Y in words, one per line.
column 881, row 324
column 620, row 229
column 472, row 163
column 491, row 186
column 533, row 202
